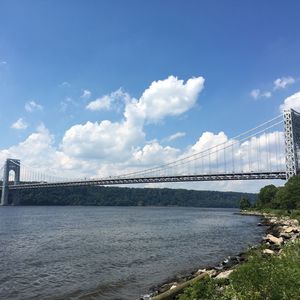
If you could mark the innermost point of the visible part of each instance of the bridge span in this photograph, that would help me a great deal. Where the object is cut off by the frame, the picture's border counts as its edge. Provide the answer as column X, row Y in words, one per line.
column 139, row 180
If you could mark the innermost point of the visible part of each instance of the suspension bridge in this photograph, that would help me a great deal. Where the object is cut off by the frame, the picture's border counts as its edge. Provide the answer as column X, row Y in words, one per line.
column 270, row 150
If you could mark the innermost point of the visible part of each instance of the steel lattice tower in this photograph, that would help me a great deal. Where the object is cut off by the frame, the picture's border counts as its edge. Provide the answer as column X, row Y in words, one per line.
column 292, row 142
column 10, row 164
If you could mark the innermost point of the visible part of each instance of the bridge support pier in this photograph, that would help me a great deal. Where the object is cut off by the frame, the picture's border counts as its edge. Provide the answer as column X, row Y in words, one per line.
column 10, row 165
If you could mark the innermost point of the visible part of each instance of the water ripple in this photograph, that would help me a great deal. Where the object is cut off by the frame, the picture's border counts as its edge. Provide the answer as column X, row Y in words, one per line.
column 111, row 252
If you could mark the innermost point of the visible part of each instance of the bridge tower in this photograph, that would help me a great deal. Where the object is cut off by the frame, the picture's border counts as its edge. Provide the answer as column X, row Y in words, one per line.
column 10, row 165
column 292, row 142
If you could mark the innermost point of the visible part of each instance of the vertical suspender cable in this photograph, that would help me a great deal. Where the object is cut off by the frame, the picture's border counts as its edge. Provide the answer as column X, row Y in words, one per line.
column 268, row 153
column 232, row 146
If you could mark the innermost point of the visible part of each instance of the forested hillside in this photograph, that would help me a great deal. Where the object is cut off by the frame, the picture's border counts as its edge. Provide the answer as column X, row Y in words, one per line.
column 116, row 196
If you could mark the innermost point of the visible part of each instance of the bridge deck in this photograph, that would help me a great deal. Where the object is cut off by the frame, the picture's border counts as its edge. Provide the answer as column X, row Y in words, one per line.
column 158, row 179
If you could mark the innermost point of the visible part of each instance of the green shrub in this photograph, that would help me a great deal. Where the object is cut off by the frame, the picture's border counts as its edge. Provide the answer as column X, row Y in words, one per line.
column 262, row 277
column 271, row 277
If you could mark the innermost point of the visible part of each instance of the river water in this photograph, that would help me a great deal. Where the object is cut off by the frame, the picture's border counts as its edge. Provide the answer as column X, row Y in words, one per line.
column 111, row 252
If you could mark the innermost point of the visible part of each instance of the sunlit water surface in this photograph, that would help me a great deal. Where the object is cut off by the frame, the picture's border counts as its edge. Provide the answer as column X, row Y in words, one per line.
column 111, row 252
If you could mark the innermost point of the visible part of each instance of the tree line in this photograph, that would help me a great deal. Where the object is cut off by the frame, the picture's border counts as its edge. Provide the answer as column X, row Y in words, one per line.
column 284, row 197
column 117, row 196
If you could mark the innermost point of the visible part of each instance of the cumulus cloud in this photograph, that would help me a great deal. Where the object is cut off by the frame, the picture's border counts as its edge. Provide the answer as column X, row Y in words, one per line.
column 154, row 154
column 32, row 106
column 283, row 82
column 36, row 144
column 32, row 147
column 116, row 140
column 86, row 94
column 291, row 102
column 257, row 93
column 102, row 140
column 208, row 140
column 102, row 103
column 39, row 153
column 169, row 97
column 20, row 124
column 109, row 101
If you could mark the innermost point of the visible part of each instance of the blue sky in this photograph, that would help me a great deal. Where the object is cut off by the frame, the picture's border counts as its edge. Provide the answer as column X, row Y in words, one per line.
column 56, row 57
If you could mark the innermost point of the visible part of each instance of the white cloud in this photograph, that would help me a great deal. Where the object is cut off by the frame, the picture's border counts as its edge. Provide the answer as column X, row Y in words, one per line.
column 174, row 136
column 267, row 94
column 257, row 93
column 19, row 124
column 32, row 147
column 86, row 94
column 65, row 84
column 32, row 106
column 283, row 82
column 154, row 154
column 109, row 101
column 39, row 153
column 103, row 140
column 117, row 140
column 208, row 140
column 291, row 102
column 37, row 142
column 3, row 62
column 102, row 103
column 169, row 97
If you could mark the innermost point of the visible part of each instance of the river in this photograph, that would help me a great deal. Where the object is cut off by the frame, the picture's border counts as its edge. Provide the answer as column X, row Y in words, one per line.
column 111, row 252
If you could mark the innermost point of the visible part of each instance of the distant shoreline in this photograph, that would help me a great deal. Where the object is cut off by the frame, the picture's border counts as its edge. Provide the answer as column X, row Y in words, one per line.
column 124, row 196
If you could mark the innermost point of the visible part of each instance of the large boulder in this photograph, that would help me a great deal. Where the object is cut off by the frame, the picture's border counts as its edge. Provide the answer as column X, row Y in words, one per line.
column 291, row 229
column 273, row 239
column 285, row 235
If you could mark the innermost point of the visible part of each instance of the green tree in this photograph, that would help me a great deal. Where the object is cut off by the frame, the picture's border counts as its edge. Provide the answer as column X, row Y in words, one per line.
column 279, row 197
column 285, row 197
column 290, row 198
column 245, row 203
column 267, row 195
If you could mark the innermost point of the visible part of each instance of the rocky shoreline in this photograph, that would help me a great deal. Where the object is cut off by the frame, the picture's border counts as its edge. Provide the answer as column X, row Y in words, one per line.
column 280, row 230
